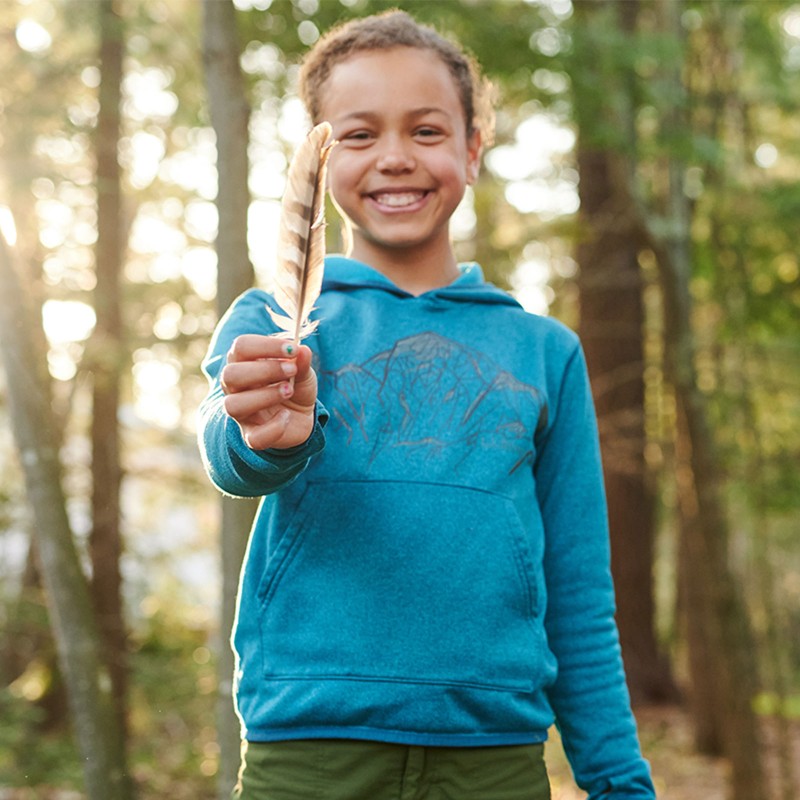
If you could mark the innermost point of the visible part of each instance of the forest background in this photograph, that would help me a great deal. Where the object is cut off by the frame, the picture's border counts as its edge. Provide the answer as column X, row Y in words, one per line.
column 644, row 188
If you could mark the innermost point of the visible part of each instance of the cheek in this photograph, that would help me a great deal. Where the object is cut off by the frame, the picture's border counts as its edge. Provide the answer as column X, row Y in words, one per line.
column 336, row 190
column 342, row 174
column 343, row 192
column 453, row 172
column 451, row 164
column 334, row 181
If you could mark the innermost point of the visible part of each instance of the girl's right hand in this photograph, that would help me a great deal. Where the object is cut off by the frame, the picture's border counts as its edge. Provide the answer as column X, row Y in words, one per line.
column 270, row 390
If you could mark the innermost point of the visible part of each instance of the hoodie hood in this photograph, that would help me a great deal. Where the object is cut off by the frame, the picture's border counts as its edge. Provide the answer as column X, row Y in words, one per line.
column 346, row 274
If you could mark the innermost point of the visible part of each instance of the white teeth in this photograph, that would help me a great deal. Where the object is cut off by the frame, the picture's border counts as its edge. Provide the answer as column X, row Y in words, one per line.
column 397, row 199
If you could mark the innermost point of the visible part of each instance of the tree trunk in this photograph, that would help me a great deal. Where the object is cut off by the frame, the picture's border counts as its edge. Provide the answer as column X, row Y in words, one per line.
column 611, row 330
column 721, row 644
column 230, row 114
column 77, row 640
column 696, row 605
column 106, row 360
column 725, row 667
column 722, row 653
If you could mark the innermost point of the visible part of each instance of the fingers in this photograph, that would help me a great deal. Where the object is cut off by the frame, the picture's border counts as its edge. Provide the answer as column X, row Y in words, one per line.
column 268, row 434
column 244, row 375
column 276, row 427
column 303, row 362
column 270, row 389
column 252, row 347
column 243, row 405
column 255, row 361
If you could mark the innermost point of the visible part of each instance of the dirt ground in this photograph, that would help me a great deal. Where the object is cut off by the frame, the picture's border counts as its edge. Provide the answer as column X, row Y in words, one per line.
column 679, row 773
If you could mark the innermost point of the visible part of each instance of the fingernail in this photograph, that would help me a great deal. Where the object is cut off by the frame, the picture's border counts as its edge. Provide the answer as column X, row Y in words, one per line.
column 289, row 349
column 288, row 367
column 286, row 390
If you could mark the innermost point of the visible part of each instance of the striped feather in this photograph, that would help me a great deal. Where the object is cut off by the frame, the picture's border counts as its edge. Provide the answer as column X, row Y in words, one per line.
column 301, row 241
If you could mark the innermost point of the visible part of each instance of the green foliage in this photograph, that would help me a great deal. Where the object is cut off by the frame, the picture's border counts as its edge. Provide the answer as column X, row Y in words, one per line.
column 172, row 721
column 172, row 743
column 31, row 755
column 768, row 704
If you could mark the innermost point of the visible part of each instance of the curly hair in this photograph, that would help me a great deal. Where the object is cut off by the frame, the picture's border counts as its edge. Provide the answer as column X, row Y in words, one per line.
column 397, row 29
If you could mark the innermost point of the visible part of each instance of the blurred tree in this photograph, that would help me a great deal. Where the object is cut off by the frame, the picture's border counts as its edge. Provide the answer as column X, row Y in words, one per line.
column 98, row 734
column 27, row 640
column 230, row 114
column 28, row 124
column 741, row 354
column 612, row 331
column 721, row 647
column 740, row 96
column 676, row 114
column 105, row 360
column 50, row 119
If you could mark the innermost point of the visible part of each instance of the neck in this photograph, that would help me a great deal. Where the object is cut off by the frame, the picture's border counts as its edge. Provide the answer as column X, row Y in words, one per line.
column 414, row 270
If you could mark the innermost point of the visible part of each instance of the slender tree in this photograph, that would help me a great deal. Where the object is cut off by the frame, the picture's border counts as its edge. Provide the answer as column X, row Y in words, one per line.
column 230, row 113
column 722, row 658
column 97, row 731
column 721, row 643
column 718, row 67
column 105, row 359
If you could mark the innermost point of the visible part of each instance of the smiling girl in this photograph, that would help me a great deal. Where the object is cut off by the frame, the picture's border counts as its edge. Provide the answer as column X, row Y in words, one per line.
column 427, row 586
column 403, row 164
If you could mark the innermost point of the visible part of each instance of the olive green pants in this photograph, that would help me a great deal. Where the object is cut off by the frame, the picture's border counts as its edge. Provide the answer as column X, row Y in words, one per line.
column 343, row 769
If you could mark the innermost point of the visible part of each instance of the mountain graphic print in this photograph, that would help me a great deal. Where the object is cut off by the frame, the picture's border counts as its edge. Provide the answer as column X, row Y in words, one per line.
column 430, row 394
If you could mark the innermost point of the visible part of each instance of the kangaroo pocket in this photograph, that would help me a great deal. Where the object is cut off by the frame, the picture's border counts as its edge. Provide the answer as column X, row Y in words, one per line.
column 391, row 581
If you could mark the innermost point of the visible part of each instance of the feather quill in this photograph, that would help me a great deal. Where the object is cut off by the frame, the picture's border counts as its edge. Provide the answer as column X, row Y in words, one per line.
column 301, row 239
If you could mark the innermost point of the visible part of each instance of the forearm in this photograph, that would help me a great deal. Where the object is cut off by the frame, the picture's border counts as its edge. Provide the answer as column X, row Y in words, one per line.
column 590, row 697
column 591, row 703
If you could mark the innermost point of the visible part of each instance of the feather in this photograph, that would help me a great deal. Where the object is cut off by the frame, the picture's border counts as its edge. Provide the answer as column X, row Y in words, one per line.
column 301, row 240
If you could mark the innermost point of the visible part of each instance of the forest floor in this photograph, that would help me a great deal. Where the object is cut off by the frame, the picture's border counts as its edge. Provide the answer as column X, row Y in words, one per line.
column 666, row 735
column 679, row 772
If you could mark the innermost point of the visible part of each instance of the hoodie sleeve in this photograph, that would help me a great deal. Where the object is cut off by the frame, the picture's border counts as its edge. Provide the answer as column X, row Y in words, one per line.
column 231, row 465
column 589, row 697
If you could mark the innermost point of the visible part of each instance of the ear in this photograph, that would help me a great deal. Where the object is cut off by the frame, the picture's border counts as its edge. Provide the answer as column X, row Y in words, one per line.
column 474, row 153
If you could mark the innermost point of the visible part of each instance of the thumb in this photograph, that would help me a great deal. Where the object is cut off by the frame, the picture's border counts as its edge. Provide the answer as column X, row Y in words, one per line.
column 303, row 361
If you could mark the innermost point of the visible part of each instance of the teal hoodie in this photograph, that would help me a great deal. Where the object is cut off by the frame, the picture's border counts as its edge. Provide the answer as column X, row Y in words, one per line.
column 432, row 566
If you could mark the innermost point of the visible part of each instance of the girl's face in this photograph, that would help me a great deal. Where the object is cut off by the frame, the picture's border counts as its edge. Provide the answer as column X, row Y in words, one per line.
column 404, row 158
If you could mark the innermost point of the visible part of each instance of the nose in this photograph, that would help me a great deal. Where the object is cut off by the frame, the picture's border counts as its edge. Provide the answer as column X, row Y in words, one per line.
column 395, row 157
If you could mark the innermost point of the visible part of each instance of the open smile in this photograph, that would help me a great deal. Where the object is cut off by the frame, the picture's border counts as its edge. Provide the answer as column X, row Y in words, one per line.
column 403, row 200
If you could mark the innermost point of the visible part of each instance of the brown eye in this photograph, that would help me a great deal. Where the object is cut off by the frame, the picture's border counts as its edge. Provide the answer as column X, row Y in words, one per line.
column 358, row 135
column 428, row 133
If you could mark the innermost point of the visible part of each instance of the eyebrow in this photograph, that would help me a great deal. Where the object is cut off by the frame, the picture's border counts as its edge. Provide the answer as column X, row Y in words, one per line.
column 416, row 112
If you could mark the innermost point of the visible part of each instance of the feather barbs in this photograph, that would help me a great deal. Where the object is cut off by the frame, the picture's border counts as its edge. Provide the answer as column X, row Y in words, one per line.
column 301, row 239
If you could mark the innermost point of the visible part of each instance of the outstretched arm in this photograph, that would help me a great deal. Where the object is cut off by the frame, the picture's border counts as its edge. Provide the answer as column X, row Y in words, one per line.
column 261, row 421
